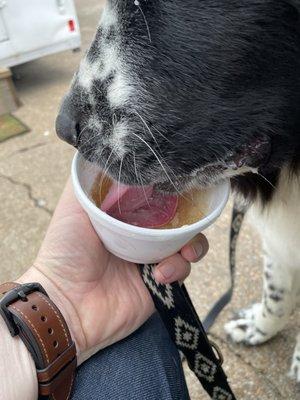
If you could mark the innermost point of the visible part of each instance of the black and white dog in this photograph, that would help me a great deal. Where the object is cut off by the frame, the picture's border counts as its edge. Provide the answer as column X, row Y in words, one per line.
column 184, row 93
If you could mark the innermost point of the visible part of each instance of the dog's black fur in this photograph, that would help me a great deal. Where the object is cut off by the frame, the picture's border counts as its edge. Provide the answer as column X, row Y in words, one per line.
column 217, row 82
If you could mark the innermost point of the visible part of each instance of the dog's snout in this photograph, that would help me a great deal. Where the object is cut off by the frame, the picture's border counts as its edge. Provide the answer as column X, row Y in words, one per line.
column 66, row 129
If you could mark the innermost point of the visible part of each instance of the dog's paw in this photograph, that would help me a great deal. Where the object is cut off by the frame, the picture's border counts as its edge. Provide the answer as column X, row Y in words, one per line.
column 295, row 370
column 244, row 331
column 295, row 367
column 243, row 328
column 248, row 313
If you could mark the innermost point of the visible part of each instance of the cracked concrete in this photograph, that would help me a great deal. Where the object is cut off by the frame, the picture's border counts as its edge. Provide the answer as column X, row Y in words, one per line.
column 25, row 149
column 39, row 203
column 33, row 170
column 22, row 227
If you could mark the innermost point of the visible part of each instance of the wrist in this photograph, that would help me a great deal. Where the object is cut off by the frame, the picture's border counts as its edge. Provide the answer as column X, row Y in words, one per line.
column 17, row 369
column 61, row 300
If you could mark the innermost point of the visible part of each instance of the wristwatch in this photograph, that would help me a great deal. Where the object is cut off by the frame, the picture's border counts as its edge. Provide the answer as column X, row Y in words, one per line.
column 29, row 313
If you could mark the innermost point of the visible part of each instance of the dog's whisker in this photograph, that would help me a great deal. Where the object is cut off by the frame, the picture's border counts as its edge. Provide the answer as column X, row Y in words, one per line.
column 88, row 141
column 163, row 136
column 137, row 3
column 119, row 180
column 160, row 163
column 182, row 135
column 265, row 179
column 81, row 132
column 139, row 179
column 147, row 127
column 87, row 149
column 105, row 169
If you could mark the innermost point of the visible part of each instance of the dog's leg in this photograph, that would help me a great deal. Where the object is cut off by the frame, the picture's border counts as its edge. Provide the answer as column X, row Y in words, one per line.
column 264, row 320
column 278, row 224
column 295, row 368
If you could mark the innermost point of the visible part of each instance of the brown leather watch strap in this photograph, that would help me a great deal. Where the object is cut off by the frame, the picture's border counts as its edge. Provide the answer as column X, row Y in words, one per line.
column 29, row 313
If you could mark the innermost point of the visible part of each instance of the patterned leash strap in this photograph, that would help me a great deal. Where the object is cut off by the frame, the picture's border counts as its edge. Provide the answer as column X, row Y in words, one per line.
column 237, row 219
column 185, row 328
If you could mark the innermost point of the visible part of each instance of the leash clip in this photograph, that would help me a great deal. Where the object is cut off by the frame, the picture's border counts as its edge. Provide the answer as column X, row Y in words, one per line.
column 218, row 352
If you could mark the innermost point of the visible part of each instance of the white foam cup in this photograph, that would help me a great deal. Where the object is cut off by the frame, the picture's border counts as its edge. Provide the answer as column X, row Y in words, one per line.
column 132, row 243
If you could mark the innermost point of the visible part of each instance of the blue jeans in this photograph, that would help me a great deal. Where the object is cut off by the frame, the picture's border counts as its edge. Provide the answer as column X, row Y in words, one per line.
column 144, row 366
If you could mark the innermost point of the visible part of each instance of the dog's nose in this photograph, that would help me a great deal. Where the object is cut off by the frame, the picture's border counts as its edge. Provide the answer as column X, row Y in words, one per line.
column 66, row 129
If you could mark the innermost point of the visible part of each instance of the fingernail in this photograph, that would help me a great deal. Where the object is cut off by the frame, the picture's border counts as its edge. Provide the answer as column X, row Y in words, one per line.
column 167, row 270
column 197, row 249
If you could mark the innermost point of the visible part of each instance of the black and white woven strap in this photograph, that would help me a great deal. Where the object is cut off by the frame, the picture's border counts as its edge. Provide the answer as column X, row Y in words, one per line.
column 237, row 219
column 185, row 328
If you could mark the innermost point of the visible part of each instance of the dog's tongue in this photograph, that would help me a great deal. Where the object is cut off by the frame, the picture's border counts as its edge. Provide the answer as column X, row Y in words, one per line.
column 140, row 206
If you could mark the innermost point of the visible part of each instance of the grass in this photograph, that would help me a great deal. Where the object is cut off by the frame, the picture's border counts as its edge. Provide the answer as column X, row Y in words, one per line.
column 11, row 126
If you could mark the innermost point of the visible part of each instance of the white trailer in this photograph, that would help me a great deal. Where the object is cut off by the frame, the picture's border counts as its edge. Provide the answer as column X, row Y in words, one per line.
column 30, row 29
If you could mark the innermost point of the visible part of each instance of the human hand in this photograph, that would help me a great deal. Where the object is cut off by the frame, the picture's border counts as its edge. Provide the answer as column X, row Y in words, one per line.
column 102, row 297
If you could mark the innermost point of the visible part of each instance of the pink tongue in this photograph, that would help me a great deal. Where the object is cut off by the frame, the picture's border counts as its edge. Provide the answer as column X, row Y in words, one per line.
column 140, row 206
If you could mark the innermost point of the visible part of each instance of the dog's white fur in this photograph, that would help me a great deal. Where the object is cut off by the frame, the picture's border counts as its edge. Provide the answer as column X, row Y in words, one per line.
column 279, row 227
column 120, row 131
column 87, row 73
column 119, row 90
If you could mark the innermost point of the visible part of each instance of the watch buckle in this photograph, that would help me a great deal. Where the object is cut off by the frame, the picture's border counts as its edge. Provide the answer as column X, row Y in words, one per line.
column 19, row 293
